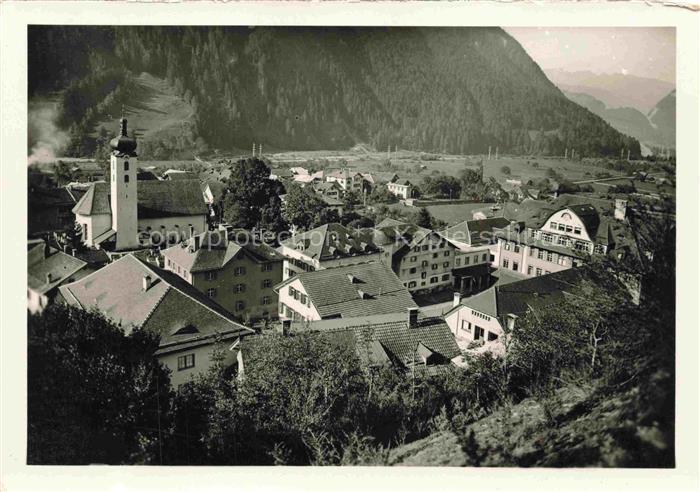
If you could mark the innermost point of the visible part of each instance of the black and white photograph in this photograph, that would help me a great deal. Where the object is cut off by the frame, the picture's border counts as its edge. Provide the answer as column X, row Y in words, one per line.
column 347, row 245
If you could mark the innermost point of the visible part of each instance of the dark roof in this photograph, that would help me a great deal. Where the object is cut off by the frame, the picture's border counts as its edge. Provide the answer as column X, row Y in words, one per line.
column 388, row 339
column 332, row 241
column 42, row 198
column 475, row 232
column 57, row 264
column 354, row 290
column 216, row 250
column 171, row 307
column 155, row 199
column 173, row 174
column 517, row 297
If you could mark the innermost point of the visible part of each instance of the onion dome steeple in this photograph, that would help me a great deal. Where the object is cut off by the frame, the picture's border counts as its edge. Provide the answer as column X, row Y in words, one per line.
column 123, row 144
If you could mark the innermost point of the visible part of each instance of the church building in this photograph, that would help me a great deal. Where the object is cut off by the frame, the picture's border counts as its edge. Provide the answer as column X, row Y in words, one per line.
column 126, row 214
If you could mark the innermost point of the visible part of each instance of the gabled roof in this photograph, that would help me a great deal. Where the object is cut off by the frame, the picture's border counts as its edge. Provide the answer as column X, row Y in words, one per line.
column 332, row 241
column 519, row 296
column 475, row 232
column 155, row 199
column 384, row 339
column 393, row 231
column 171, row 307
column 216, row 250
column 57, row 264
column 354, row 290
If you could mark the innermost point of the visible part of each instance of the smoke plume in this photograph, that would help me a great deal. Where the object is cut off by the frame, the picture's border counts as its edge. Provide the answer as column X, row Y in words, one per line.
column 46, row 140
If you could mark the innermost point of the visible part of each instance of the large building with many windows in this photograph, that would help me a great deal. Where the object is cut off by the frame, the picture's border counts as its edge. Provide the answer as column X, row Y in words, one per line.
column 343, row 292
column 230, row 268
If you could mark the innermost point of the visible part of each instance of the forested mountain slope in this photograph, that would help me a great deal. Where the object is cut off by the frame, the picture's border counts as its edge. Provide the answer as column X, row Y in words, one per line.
column 456, row 90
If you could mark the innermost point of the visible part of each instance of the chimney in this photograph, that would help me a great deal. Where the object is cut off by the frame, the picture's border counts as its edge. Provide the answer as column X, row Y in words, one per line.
column 191, row 230
column 620, row 209
column 510, row 322
column 456, row 299
column 412, row 317
column 48, row 278
column 147, row 282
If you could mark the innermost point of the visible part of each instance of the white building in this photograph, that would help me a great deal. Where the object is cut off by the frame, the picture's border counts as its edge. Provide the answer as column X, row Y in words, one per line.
column 127, row 214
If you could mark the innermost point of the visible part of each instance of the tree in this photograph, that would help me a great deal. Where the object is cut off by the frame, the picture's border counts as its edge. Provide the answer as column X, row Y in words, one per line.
column 423, row 218
column 95, row 395
column 381, row 194
column 505, row 170
column 251, row 195
column 302, row 208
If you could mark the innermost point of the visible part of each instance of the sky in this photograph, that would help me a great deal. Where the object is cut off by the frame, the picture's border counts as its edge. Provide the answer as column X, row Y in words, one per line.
column 641, row 51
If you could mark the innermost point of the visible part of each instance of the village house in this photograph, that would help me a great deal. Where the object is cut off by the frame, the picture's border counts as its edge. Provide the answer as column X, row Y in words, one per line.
column 477, row 247
column 420, row 257
column 486, row 316
column 565, row 234
column 327, row 246
column 402, row 188
column 405, row 341
column 232, row 269
column 342, row 292
column 329, row 189
column 47, row 270
column 348, row 181
column 128, row 214
column 135, row 294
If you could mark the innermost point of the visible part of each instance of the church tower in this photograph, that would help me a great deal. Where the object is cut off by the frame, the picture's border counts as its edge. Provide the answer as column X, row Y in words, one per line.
column 124, row 195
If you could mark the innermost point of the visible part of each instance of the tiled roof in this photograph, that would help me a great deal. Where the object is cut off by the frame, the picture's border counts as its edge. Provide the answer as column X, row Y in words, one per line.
column 57, row 264
column 332, row 241
column 168, row 306
column 475, row 232
column 216, row 251
column 394, row 231
column 339, row 291
column 517, row 297
column 384, row 338
column 155, row 199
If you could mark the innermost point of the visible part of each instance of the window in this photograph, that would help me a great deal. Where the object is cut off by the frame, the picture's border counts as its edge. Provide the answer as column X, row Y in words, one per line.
column 211, row 293
column 433, row 246
column 267, row 267
column 411, row 285
column 185, row 362
column 446, row 264
column 569, row 229
column 481, row 315
column 424, row 263
column 550, row 256
column 184, row 273
column 425, row 247
column 413, row 259
column 563, row 260
column 492, row 258
column 434, row 266
column 412, row 270
column 529, row 269
column 515, row 266
column 562, row 227
column 458, row 261
column 538, row 272
column 267, row 283
column 577, row 231
column 466, row 326
column 304, row 299
column 210, row 275
column 506, row 263
column 533, row 251
column 126, row 178
column 478, row 333
column 552, row 225
column 435, row 255
column 240, row 305
column 483, row 257
column 507, row 247
column 466, row 260
column 265, row 300
column 416, row 249
column 562, row 241
column 547, row 237
column 433, row 280
column 492, row 337
column 446, row 253
column 446, row 277
column 238, row 288
column 540, row 254
column 239, row 271
column 580, row 246
column 476, row 258
column 424, row 275
column 292, row 292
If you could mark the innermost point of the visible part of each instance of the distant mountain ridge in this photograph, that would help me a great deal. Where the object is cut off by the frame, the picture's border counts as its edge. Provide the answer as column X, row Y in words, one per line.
column 615, row 90
column 455, row 90
column 655, row 129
